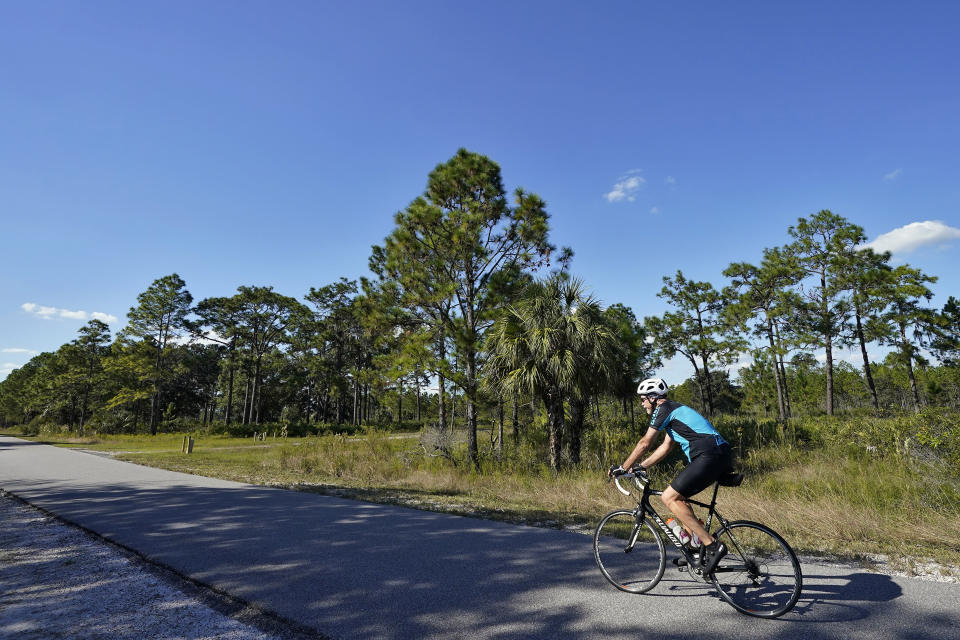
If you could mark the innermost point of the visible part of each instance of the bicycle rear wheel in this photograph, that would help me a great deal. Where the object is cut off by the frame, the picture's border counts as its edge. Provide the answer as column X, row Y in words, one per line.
column 760, row 575
column 629, row 552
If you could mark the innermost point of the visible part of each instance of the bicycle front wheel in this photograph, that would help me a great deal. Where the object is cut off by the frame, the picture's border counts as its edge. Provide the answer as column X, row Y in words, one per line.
column 760, row 575
column 629, row 552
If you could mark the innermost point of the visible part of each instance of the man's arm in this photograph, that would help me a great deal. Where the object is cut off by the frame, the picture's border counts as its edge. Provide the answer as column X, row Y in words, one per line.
column 660, row 453
column 642, row 447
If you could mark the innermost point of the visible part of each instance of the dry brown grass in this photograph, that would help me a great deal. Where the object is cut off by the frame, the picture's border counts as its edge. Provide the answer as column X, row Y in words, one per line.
column 822, row 503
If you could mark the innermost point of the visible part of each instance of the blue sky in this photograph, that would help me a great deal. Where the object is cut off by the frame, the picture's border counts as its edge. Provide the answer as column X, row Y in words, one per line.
column 254, row 143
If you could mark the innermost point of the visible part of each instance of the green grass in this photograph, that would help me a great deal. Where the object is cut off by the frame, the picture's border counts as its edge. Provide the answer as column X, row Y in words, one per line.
column 855, row 505
column 823, row 500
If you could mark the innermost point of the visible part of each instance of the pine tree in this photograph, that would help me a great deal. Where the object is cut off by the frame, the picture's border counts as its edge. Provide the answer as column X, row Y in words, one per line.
column 160, row 317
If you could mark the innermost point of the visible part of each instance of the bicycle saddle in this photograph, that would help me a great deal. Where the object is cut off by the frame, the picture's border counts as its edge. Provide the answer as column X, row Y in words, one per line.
column 732, row 479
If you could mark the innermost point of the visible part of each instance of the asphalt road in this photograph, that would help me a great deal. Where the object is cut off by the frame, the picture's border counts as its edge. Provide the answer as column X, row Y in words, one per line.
column 357, row 570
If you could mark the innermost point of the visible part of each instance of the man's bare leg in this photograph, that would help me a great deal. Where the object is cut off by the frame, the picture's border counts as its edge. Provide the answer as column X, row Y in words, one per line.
column 679, row 507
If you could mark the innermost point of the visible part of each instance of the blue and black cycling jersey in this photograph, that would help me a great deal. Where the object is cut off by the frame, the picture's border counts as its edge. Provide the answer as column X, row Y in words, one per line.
column 687, row 427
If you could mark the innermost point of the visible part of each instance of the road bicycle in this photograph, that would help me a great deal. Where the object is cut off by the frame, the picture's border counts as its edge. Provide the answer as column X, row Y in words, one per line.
column 760, row 575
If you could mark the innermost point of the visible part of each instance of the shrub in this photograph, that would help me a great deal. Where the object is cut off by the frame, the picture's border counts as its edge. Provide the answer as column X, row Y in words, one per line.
column 610, row 442
column 932, row 433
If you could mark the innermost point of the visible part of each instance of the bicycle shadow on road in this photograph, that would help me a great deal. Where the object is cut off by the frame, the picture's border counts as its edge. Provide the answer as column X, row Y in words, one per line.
column 836, row 605
column 828, row 598
column 835, row 598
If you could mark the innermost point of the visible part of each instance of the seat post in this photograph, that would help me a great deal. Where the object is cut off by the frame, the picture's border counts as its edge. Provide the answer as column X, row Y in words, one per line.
column 716, row 488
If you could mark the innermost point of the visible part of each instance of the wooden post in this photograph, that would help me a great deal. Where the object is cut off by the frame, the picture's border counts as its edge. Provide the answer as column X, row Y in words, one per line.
column 183, row 449
column 190, row 445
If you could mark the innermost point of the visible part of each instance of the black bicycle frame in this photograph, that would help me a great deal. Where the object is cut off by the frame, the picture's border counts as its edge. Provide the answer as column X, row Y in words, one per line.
column 644, row 507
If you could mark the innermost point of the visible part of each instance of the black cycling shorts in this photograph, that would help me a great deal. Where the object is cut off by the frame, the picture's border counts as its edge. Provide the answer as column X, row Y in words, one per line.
column 705, row 469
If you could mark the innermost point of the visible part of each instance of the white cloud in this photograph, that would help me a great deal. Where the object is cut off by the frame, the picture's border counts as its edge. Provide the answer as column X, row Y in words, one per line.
column 212, row 337
column 626, row 187
column 853, row 356
column 670, row 181
column 39, row 310
column 893, row 175
column 6, row 368
column 49, row 312
column 209, row 337
column 913, row 236
column 654, row 210
column 30, row 352
column 734, row 369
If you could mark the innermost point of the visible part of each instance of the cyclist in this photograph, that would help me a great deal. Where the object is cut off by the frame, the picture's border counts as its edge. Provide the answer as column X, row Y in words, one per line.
column 707, row 453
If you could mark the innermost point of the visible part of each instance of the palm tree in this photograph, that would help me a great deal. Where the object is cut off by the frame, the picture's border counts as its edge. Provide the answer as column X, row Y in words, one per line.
column 554, row 344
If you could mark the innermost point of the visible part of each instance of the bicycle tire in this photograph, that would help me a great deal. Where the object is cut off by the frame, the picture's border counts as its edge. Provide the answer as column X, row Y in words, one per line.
column 760, row 575
column 630, row 553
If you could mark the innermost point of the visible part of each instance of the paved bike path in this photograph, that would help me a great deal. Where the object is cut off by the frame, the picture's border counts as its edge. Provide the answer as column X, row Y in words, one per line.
column 351, row 569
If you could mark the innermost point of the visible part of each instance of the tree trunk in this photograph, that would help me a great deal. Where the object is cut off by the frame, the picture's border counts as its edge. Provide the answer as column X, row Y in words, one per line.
column 255, row 395
column 829, row 365
column 698, row 378
column 83, row 411
column 783, row 370
column 418, row 401
column 442, row 417
column 908, row 359
column 356, row 418
column 468, row 304
column 516, row 423
column 575, row 429
column 781, row 406
column 866, row 362
column 154, row 412
column 155, row 405
column 453, row 409
column 230, row 387
column 399, row 402
column 554, row 408
column 470, row 408
column 368, row 405
column 308, row 403
column 500, row 428
column 828, row 341
column 786, row 387
column 246, row 399
column 444, row 435
column 709, row 386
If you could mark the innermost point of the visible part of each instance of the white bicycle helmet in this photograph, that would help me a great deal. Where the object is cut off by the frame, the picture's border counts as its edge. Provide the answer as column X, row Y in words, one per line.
column 653, row 387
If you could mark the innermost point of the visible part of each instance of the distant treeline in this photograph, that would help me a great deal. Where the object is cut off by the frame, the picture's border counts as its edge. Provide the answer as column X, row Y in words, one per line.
column 472, row 318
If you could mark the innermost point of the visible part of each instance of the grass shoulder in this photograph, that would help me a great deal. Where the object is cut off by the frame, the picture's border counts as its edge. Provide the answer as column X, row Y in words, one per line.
column 845, row 506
